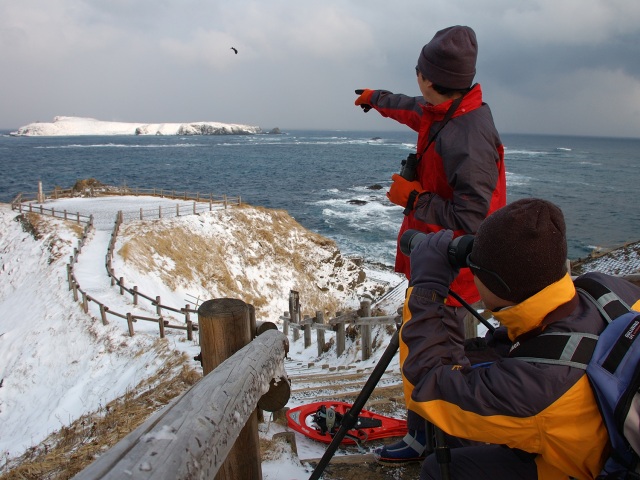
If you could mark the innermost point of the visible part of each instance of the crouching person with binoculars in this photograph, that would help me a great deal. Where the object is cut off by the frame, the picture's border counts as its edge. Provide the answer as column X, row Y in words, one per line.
column 510, row 418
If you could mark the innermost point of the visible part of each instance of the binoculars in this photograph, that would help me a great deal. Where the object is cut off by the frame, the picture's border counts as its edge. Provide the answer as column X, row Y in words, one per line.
column 458, row 250
column 409, row 167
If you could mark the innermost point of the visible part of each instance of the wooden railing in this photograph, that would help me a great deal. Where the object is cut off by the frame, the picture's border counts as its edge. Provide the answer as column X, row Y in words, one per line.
column 63, row 214
column 32, row 202
column 155, row 301
column 58, row 193
column 211, row 430
column 22, row 203
column 81, row 295
column 361, row 320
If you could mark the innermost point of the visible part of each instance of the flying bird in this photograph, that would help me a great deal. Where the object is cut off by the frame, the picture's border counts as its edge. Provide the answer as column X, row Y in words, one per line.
column 235, row 50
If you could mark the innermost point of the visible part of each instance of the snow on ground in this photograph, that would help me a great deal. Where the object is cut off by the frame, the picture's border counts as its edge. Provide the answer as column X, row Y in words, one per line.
column 58, row 363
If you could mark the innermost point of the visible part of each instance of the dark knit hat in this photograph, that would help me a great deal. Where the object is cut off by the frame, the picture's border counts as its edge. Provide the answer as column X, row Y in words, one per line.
column 523, row 243
column 449, row 59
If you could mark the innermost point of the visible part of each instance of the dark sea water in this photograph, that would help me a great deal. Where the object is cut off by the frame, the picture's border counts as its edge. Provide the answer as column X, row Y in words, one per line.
column 316, row 176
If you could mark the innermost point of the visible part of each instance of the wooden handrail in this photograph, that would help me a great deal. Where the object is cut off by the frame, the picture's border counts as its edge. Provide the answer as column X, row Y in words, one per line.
column 192, row 436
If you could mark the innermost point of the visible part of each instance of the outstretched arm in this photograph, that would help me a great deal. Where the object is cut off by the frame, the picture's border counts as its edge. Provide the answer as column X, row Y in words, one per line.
column 399, row 107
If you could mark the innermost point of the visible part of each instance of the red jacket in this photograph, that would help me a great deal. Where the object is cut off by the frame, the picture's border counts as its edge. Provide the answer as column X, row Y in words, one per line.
column 462, row 171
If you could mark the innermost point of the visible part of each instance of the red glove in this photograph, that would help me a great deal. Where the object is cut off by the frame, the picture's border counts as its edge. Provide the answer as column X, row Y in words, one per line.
column 364, row 100
column 402, row 192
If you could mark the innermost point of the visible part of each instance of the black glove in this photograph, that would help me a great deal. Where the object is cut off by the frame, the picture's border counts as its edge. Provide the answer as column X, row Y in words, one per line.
column 430, row 266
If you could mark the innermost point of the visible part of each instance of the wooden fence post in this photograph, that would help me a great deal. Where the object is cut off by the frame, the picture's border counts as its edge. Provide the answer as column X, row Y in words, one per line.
column 294, row 306
column 40, row 193
column 320, row 332
column 135, row 295
column 307, row 331
column 130, row 323
column 470, row 322
column 158, row 307
column 253, row 328
column 103, row 315
column 296, row 332
column 285, row 323
column 365, row 330
column 340, row 336
column 224, row 328
column 187, row 319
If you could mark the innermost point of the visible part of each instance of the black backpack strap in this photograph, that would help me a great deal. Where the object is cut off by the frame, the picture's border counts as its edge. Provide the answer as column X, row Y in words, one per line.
column 557, row 348
column 576, row 349
column 610, row 305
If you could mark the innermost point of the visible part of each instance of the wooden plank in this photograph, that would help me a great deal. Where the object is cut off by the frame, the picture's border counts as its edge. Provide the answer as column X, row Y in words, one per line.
column 350, row 459
column 191, row 437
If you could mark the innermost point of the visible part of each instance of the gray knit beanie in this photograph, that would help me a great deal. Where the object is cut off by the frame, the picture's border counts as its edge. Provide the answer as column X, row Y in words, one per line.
column 449, row 59
column 525, row 244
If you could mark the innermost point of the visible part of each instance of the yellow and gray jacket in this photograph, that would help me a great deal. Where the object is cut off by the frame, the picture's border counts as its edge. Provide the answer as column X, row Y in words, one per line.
column 547, row 410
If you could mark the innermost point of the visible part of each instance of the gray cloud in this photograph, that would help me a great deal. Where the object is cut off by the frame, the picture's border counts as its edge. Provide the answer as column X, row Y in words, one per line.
column 567, row 67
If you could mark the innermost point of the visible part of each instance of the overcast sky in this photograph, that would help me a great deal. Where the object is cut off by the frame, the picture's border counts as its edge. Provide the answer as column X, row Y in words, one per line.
column 545, row 66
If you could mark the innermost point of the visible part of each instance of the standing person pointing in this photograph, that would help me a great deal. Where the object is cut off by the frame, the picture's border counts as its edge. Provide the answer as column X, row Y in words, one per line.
column 460, row 172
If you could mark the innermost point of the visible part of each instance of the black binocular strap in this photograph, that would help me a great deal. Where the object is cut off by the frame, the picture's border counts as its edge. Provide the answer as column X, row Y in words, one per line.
column 447, row 116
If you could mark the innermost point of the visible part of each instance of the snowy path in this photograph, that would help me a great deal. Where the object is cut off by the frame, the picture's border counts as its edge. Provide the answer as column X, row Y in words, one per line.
column 90, row 270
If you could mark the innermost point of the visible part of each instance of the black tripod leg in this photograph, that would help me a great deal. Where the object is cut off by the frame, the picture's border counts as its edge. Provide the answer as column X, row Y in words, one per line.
column 443, row 454
column 351, row 417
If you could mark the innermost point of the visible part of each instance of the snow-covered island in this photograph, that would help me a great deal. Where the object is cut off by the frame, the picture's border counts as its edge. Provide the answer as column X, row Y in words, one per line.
column 71, row 126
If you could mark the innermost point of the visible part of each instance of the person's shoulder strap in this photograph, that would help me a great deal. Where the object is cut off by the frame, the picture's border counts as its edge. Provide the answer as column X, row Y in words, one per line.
column 609, row 304
column 573, row 349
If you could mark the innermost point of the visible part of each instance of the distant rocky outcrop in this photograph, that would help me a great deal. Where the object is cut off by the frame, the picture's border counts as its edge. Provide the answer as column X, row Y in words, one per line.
column 73, row 126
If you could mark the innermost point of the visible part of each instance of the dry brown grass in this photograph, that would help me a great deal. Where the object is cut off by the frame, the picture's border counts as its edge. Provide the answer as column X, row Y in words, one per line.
column 72, row 448
column 86, row 185
column 263, row 238
column 42, row 227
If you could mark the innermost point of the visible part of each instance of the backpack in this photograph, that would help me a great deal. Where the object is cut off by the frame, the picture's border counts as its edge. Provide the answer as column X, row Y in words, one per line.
column 612, row 364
